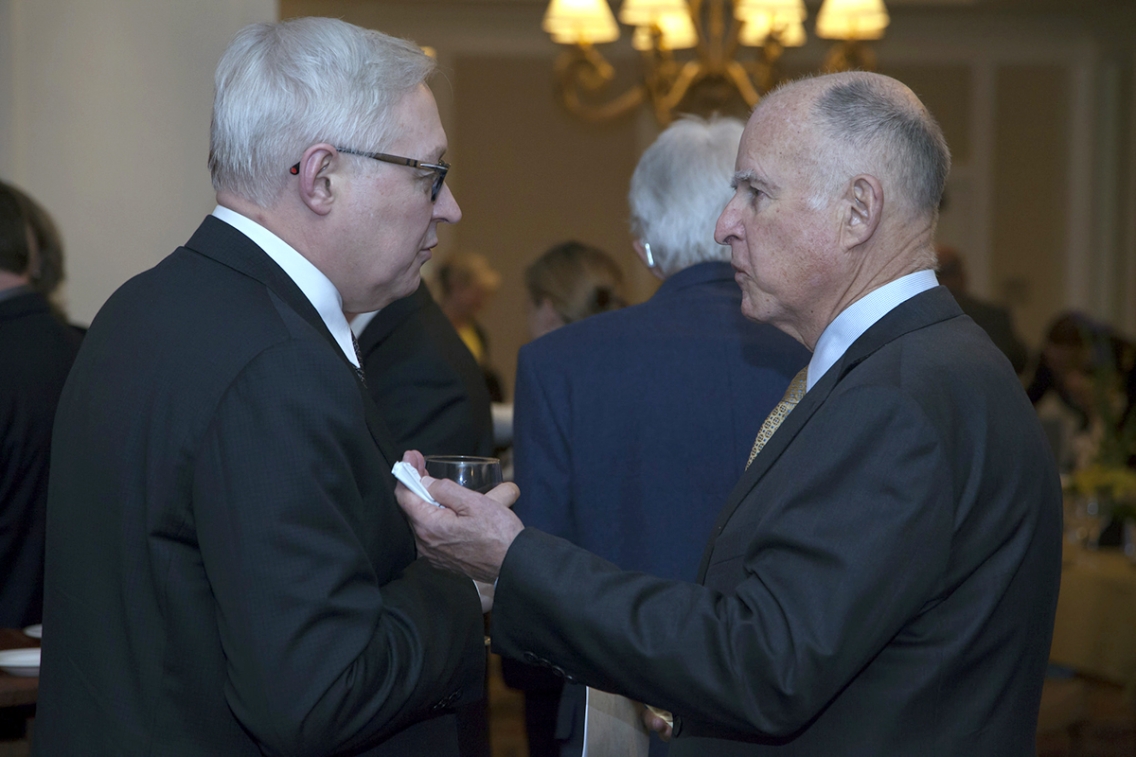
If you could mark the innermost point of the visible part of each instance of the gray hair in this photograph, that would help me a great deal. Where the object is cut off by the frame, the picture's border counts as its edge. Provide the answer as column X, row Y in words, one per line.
column 283, row 87
column 679, row 189
column 874, row 124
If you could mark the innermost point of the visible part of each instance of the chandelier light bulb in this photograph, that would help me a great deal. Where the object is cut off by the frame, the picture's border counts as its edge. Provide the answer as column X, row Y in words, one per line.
column 789, row 10
column 677, row 30
column 852, row 19
column 647, row 12
column 580, row 21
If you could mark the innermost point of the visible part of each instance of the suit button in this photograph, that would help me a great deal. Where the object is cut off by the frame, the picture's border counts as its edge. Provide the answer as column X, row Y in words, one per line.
column 531, row 658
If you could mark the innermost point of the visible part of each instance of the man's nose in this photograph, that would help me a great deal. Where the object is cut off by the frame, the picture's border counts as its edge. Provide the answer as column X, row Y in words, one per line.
column 726, row 229
column 446, row 206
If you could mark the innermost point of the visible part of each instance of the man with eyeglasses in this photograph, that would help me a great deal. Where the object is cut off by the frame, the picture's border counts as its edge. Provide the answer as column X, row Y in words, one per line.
column 228, row 572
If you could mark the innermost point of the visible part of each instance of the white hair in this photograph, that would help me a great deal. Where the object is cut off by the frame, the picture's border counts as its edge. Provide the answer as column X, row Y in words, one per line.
column 679, row 189
column 283, row 87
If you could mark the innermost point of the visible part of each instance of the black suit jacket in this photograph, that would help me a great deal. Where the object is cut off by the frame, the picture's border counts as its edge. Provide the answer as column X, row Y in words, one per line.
column 429, row 389
column 881, row 581
column 36, row 352
column 227, row 569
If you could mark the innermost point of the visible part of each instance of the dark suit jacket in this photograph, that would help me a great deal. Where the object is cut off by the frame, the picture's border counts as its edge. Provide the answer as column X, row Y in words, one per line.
column 36, row 352
column 228, row 572
column 426, row 384
column 882, row 580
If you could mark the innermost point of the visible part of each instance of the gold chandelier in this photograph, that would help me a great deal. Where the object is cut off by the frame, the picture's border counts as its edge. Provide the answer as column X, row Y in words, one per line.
column 716, row 74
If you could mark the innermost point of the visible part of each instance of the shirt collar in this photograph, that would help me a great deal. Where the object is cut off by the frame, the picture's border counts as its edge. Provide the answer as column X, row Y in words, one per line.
column 319, row 290
column 361, row 321
column 860, row 316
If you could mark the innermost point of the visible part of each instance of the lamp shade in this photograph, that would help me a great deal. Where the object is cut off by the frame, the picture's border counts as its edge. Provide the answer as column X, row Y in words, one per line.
column 677, row 29
column 852, row 19
column 572, row 21
column 758, row 27
column 647, row 12
column 755, row 29
column 793, row 35
column 789, row 10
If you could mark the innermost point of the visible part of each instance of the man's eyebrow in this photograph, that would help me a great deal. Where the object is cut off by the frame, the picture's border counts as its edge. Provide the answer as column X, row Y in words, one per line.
column 743, row 177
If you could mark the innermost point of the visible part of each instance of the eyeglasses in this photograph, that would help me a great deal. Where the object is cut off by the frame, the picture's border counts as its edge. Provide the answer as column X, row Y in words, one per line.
column 440, row 169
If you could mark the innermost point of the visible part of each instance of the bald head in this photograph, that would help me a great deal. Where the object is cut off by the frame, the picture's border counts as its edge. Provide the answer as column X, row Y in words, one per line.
column 861, row 122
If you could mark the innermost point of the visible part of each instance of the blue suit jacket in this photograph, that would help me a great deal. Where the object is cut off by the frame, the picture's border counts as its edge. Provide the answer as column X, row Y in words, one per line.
column 632, row 426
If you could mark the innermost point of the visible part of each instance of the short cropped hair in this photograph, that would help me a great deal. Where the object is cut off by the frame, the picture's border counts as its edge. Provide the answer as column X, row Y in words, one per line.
column 14, row 251
column 577, row 279
column 283, row 87
column 47, row 273
column 679, row 189
column 876, row 127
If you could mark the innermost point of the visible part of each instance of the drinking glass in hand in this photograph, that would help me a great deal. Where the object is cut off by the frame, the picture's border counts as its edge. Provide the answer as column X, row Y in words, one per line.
column 478, row 473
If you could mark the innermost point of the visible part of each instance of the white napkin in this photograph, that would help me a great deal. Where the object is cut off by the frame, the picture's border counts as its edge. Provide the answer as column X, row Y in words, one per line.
column 408, row 475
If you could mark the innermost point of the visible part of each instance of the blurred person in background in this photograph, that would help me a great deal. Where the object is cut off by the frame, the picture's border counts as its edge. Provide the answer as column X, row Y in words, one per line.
column 49, row 271
column 1082, row 364
column 632, row 426
column 37, row 349
column 994, row 320
column 465, row 282
column 568, row 283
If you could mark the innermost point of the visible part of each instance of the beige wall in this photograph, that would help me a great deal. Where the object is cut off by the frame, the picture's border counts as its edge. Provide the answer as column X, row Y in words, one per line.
column 104, row 111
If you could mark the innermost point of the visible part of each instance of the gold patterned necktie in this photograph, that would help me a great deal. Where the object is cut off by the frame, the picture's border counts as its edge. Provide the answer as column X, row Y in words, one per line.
column 793, row 394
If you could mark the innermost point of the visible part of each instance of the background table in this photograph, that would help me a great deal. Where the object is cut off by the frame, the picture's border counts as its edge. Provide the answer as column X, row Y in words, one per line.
column 15, row 690
column 1095, row 628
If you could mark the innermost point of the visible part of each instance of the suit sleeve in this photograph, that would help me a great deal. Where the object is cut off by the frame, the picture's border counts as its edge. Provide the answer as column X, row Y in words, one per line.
column 851, row 537
column 321, row 649
column 542, row 450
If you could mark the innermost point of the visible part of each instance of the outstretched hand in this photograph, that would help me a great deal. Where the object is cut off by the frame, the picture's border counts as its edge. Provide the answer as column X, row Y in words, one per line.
column 471, row 533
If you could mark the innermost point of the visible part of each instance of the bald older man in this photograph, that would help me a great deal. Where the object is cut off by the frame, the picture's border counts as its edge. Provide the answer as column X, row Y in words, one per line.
column 882, row 579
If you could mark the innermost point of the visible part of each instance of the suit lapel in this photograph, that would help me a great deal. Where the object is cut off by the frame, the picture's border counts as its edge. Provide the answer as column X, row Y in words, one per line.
column 918, row 312
column 219, row 241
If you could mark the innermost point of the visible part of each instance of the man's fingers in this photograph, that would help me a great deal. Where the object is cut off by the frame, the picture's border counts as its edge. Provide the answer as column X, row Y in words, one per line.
column 414, row 506
column 504, row 494
column 415, row 459
column 451, row 494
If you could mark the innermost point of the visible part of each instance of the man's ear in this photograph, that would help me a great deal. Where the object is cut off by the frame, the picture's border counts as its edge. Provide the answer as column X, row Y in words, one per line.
column 865, row 205
column 319, row 172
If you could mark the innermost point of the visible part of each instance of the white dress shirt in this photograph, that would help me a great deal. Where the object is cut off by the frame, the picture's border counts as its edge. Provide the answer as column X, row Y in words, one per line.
column 860, row 316
column 319, row 290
